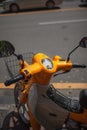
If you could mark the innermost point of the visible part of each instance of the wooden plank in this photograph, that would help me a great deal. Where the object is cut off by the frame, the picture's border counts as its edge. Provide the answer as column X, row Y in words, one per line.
column 56, row 85
column 70, row 85
column 2, row 86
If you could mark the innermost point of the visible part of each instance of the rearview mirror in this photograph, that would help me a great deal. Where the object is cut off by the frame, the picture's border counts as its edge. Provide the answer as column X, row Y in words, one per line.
column 83, row 42
column 6, row 49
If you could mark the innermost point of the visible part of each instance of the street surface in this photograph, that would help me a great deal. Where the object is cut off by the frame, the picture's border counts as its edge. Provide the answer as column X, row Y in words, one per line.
column 53, row 32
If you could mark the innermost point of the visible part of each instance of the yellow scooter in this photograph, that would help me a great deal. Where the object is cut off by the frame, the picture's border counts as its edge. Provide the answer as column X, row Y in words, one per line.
column 39, row 103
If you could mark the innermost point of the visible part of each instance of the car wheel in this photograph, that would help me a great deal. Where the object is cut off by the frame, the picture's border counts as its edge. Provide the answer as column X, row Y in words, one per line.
column 14, row 8
column 50, row 4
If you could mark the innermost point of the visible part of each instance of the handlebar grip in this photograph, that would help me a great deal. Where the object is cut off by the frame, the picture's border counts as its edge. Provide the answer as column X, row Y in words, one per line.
column 14, row 79
column 79, row 66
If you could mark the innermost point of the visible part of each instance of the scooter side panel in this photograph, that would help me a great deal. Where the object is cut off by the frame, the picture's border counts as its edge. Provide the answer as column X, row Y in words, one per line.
column 44, row 109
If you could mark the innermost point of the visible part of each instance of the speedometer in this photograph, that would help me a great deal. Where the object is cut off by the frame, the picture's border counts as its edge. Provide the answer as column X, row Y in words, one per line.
column 47, row 63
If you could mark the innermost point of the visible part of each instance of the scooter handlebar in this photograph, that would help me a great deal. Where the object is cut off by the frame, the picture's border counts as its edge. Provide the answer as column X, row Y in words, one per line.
column 14, row 80
column 79, row 66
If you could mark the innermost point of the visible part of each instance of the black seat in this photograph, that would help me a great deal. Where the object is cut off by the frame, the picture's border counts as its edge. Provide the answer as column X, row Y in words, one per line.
column 83, row 98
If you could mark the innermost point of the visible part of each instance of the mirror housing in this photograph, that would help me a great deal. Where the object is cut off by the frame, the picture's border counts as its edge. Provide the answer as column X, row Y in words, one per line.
column 6, row 48
column 82, row 43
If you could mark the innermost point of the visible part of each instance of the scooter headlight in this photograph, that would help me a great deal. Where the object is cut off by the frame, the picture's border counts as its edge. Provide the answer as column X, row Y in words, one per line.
column 47, row 63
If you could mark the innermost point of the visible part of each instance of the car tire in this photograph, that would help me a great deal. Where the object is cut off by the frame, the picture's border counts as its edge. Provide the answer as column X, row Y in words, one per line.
column 50, row 4
column 14, row 8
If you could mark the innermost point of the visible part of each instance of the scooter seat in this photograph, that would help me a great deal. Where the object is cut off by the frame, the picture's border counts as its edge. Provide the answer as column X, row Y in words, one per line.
column 83, row 98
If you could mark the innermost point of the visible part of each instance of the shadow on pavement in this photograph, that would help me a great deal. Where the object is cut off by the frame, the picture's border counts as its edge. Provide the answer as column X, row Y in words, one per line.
column 83, row 5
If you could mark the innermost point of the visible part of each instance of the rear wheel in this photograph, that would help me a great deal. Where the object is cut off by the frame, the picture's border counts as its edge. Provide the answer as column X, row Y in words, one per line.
column 14, row 8
column 50, row 4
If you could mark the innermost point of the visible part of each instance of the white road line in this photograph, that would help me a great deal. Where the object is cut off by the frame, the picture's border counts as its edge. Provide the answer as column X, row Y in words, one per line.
column 63, row 21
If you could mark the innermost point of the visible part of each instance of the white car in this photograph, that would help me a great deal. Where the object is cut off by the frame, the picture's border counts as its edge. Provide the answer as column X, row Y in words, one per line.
column 16, row 5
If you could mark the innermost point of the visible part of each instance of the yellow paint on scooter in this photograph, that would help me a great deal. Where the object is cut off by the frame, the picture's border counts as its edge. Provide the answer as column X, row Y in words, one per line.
column 38, row 70
column 81, row 117
column 38, row 73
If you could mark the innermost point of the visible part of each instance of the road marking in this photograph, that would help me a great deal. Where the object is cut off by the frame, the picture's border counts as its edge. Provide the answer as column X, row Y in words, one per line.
column 56, row 85
column 63, row 22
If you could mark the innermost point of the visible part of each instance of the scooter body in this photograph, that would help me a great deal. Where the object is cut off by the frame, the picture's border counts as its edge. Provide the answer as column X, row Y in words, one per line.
column 45, row 110
column 77, row 117
column 35, row 81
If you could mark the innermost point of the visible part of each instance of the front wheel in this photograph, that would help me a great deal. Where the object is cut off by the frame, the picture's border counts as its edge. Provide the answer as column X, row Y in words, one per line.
column 50, row 4
column 13, row 122
column 14, row 8
column 23, row 112
column 21, row 107
column 17, row 93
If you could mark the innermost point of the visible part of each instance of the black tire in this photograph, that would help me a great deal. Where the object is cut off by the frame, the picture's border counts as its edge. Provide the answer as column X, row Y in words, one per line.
column 50, row 4
column 14, row 8
column 13, row 122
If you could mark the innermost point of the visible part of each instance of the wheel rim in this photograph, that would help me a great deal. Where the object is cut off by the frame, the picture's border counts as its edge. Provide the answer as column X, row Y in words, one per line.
column 17, row 93
column 14, row 8
column 23, row 112
column 50, row 4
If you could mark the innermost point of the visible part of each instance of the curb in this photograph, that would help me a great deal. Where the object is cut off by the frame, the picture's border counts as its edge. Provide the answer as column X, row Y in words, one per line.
column 56, row 85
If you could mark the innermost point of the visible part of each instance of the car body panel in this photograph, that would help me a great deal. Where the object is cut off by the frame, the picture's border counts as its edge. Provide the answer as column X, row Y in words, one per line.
column 26, row 4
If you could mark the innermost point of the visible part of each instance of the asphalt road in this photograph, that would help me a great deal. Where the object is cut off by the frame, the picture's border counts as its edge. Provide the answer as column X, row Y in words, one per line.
column 54, row 32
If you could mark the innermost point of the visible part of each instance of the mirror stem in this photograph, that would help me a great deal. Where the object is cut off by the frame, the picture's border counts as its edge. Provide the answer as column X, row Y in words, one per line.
column 15, row 54
column 20, row 57
column 68, row 58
